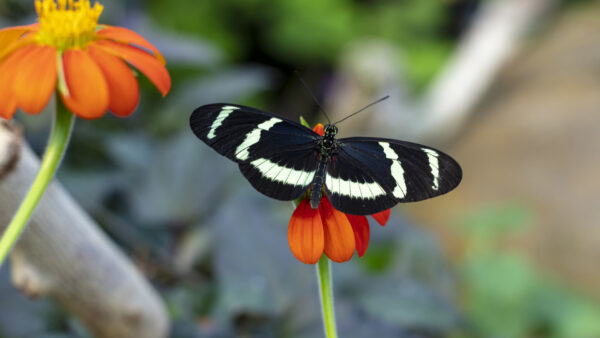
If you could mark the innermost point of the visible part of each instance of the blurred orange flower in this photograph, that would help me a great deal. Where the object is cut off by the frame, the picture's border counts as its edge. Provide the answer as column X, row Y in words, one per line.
column 88, row 62
column 312, row 232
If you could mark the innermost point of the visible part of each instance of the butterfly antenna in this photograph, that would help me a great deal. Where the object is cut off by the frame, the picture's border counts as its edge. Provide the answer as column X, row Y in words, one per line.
column 365, row 107
column 312, row 95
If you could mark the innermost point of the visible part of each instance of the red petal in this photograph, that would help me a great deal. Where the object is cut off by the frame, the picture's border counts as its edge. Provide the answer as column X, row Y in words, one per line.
column 305, row 233
column 126, row 36
column 145, row 62
column 36, row 80
column 339, row 236
column 88, row 91
column 123, row 88
column 360, row 226
column 9, row 68
column 382, row 217
column 319, row 129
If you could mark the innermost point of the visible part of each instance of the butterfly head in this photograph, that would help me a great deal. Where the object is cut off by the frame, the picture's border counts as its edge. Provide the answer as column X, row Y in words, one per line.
column 330, row 130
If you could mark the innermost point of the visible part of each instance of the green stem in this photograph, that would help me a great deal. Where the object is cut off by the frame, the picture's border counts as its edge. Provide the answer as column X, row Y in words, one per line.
column 325, row 285
column 57, row 144
column 326, row 293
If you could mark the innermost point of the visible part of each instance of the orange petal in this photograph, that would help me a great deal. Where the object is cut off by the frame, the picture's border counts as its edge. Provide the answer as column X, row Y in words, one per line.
column 123, row 88
column 9, row 68
column 145, row 62
column 339, row 236
column 319, row 129
column 382, row 217
column 36, row 79
column 9, row 34
column 305, row 233
column 360, row 226
column 12, row 38
column 126, row 36
column 88, row 91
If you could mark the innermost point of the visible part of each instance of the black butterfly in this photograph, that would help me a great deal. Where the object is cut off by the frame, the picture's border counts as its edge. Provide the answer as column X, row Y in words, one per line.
column 361, row 175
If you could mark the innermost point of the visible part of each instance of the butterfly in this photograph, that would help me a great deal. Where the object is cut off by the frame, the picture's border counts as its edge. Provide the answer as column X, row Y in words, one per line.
column 360, row 175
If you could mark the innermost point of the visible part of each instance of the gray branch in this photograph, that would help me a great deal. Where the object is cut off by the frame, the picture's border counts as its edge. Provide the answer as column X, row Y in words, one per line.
column 494, row 37
column 62, row 254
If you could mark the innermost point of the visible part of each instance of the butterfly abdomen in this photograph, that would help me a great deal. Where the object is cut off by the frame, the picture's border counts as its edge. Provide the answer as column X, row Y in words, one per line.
column 316, row 188
column 327, row 147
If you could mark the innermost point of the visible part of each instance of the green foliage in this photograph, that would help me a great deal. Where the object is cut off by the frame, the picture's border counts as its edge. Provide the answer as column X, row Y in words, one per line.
column 507, row 296
column 307, row 32
column 310, row 30
column 207, row 19
column 380, row 257
column 425, row 59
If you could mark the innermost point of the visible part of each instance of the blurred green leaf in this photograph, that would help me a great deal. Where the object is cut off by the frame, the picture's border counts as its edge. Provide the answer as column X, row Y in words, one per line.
column 310, row 30
column 380, row 257
column 498, row 220
column 507, row 296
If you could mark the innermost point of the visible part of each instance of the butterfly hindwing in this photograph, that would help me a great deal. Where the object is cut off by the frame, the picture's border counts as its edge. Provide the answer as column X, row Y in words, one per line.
column 368, row 175
column 276, row 155
column 351, row 185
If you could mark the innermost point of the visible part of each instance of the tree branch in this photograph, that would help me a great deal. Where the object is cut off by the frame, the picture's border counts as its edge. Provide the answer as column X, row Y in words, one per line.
column 493, row 38
column 63, row 255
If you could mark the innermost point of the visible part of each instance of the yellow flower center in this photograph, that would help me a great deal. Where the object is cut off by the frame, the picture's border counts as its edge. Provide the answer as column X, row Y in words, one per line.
column 67, row 23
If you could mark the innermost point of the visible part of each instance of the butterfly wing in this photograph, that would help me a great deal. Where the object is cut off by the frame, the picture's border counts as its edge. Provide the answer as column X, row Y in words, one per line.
column 276, row 155
column 368, row 175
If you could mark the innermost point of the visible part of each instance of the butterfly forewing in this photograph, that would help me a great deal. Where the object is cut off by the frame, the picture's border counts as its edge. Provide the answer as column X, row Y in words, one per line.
column 368, row 175
column 283, row 176
column 276, row 155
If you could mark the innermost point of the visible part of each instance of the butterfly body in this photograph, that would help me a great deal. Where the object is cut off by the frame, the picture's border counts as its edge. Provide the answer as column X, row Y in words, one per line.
column 283, row 159
column 327, row 146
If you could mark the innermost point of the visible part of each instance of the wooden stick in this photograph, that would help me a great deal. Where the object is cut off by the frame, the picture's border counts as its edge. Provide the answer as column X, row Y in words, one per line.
column 62, row 254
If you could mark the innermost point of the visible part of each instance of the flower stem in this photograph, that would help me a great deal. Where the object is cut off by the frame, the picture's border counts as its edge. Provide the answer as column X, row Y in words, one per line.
column 57, row 144
column 326, row 293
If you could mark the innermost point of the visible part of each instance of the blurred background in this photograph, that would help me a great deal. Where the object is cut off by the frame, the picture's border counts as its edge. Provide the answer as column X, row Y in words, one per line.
column 510, row 88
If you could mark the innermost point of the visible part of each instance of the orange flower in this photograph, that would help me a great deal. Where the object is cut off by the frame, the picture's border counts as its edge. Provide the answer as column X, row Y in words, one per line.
column 327, row 230
column 88, row 62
